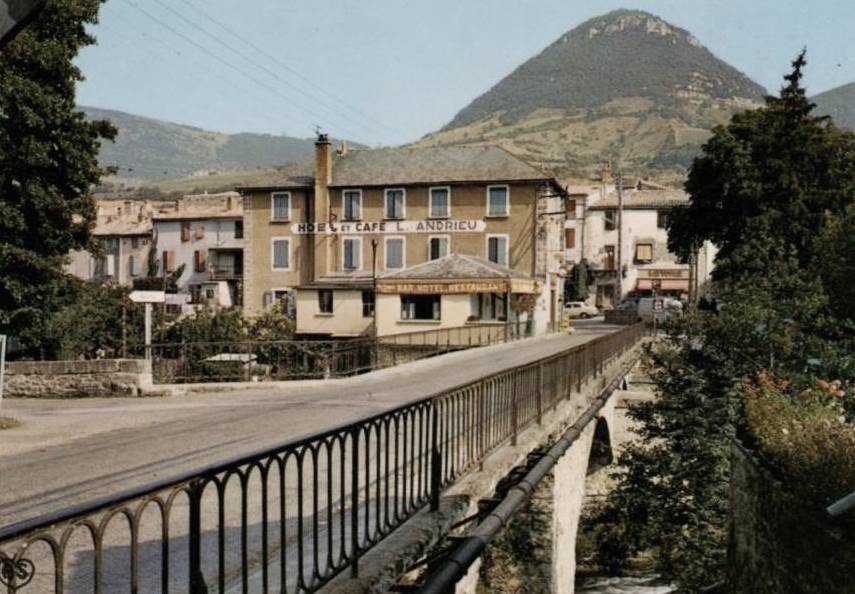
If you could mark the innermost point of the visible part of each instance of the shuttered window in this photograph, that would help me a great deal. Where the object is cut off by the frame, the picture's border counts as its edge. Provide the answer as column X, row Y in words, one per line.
column 644, row 252
column 199, row 260
column 169, row 261
column 352, row 205
column 280, row 205
column 569, row 238
column 440, row 203
column 437, row 248
column 497, row 201
column 281, row 254
column 185, row 231
column 497, row 249
column 395, row 252
column 395, row 204
column 352, row 250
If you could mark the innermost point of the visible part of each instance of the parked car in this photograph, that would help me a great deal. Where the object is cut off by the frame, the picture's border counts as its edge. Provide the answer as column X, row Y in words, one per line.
column 628, row 305
column 580, row 309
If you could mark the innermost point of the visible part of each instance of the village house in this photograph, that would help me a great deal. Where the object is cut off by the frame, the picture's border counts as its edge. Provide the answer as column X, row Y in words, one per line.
column 201, row 235
column 123, row 228
column 400, row 240
column 625, row 247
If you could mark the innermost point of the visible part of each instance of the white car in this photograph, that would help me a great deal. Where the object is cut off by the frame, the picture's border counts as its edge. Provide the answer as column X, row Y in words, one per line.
column 580, row 309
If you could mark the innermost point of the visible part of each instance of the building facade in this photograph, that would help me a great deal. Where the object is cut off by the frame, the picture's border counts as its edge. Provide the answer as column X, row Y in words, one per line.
column 331, row 237
column 202, row 236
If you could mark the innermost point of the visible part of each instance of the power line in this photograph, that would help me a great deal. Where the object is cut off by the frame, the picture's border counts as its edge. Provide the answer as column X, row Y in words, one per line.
column 253, row 62
column 221, row 60
column 288, row 68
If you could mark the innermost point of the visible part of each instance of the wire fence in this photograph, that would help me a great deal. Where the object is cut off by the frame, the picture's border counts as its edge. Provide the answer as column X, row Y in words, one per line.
column 291, row 518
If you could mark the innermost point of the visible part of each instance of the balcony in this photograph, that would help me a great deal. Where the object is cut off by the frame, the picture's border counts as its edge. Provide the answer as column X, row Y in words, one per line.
column 225, row 273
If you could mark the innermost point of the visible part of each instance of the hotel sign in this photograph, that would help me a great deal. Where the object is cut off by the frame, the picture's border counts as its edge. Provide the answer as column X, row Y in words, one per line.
column 386, row 227
column 452, row 288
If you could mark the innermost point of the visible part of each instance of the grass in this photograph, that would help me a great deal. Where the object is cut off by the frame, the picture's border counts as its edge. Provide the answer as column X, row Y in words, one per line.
column 9, row 423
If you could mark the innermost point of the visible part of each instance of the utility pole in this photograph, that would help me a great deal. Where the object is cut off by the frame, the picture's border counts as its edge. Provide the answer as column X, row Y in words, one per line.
column 619, row 185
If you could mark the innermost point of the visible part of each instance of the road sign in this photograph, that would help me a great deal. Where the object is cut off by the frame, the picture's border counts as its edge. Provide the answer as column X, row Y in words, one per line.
column 14, row 15
column 147, row 296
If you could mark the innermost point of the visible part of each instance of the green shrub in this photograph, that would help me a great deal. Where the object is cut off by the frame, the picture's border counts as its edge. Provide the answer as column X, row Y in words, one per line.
column 804, row 435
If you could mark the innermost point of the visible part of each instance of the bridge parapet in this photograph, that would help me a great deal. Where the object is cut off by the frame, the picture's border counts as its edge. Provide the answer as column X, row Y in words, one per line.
column 294, row 517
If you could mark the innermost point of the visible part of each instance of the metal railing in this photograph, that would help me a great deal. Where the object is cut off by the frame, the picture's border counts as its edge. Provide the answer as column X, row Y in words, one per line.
column 291, row 518
column 194, row 362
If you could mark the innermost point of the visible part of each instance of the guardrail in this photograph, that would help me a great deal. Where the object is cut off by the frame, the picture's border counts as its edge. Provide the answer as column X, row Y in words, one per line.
column 192, row 362
column 291, row 518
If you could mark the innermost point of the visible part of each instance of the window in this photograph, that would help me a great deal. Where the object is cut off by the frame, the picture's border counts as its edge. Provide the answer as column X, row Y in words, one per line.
column 280, row 207
column 394, row 252
column 135, row 242
column 111, row 244
column 200, row 232
column 367, row 304
column 281, row 257
column 609, row 259
column 199, row 261
column 396, row 204
column 662, row 219
column 421, row 307
column 325, row 301
column 195, row 293
column 185, row 231
column 497, row 201
column 571, row 208
column 283, row 299
column 610, row 221
column 210, row 294
column 351, row 248
column 489, row 306
column 644, row 252
column 238, row 229
column 352, row 205
column 132, row 269
column 497, row 249
column 438, row 247
column 569, row 239
column 169, row 261
column 440, row 203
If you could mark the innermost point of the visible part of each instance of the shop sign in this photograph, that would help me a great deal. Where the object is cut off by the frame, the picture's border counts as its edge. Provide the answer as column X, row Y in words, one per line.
column 394, row 227
column 467, row 287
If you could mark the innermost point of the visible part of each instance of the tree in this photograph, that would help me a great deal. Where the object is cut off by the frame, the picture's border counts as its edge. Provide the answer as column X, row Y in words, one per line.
column 48, row 163
column 577, row 289
column 765, row 184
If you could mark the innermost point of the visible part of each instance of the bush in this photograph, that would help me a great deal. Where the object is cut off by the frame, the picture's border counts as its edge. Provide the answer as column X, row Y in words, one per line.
column 804, row 435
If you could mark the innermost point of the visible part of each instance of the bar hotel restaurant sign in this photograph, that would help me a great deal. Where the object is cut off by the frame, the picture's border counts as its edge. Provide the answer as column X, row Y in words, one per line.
column 381, row 227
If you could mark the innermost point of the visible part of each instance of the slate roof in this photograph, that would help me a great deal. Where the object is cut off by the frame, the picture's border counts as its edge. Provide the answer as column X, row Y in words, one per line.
column 455, row 266
column 640, row 199
column 118, row 218
column 407, row 166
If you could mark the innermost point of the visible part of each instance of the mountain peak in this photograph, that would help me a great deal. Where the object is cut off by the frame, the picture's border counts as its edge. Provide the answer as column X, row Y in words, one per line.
column 625, row 53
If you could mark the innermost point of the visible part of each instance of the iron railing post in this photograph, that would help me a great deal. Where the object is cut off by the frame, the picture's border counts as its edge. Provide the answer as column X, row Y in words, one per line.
column 354, row 502
column 515, row 413
column 197, row 578
column 540, row 393
column 435, row 459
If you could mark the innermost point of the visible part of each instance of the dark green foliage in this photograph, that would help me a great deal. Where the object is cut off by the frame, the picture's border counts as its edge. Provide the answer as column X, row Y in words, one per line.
column 623, row 58
column 48, row 164
column 577, row 289
column 770, row 191
column 839, row 104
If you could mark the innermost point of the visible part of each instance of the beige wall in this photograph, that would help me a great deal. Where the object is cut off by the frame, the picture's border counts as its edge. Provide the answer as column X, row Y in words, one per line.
column 259, row 230
column 468, row 202
column 455, row 310
column 346, row 319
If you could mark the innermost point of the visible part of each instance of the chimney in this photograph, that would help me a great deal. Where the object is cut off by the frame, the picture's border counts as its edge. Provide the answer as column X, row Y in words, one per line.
column 323, row 160
column 606, row 174
column 321, row 258
column 343, row 148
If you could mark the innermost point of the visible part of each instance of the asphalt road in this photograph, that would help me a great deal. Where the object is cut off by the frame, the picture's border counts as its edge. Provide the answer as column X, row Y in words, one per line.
column 70, row 451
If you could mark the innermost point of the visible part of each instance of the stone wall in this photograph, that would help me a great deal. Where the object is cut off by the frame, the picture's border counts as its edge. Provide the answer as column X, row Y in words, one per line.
column 777, row 544
column 77, row 379
column 621, row 317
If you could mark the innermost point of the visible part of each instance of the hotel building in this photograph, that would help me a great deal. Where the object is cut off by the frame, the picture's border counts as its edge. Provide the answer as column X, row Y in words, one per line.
column 401, row 240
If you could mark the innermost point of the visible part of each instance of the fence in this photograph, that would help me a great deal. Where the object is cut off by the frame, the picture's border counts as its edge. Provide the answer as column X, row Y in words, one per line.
column 311, row 359
column 291, row 518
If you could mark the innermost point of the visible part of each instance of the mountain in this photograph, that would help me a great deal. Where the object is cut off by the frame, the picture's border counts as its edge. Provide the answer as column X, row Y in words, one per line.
column 627, row 84
column 838, row 103
column 148, row 150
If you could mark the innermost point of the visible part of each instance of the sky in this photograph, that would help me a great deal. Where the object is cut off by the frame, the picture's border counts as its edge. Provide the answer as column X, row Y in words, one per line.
column 385, row 72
